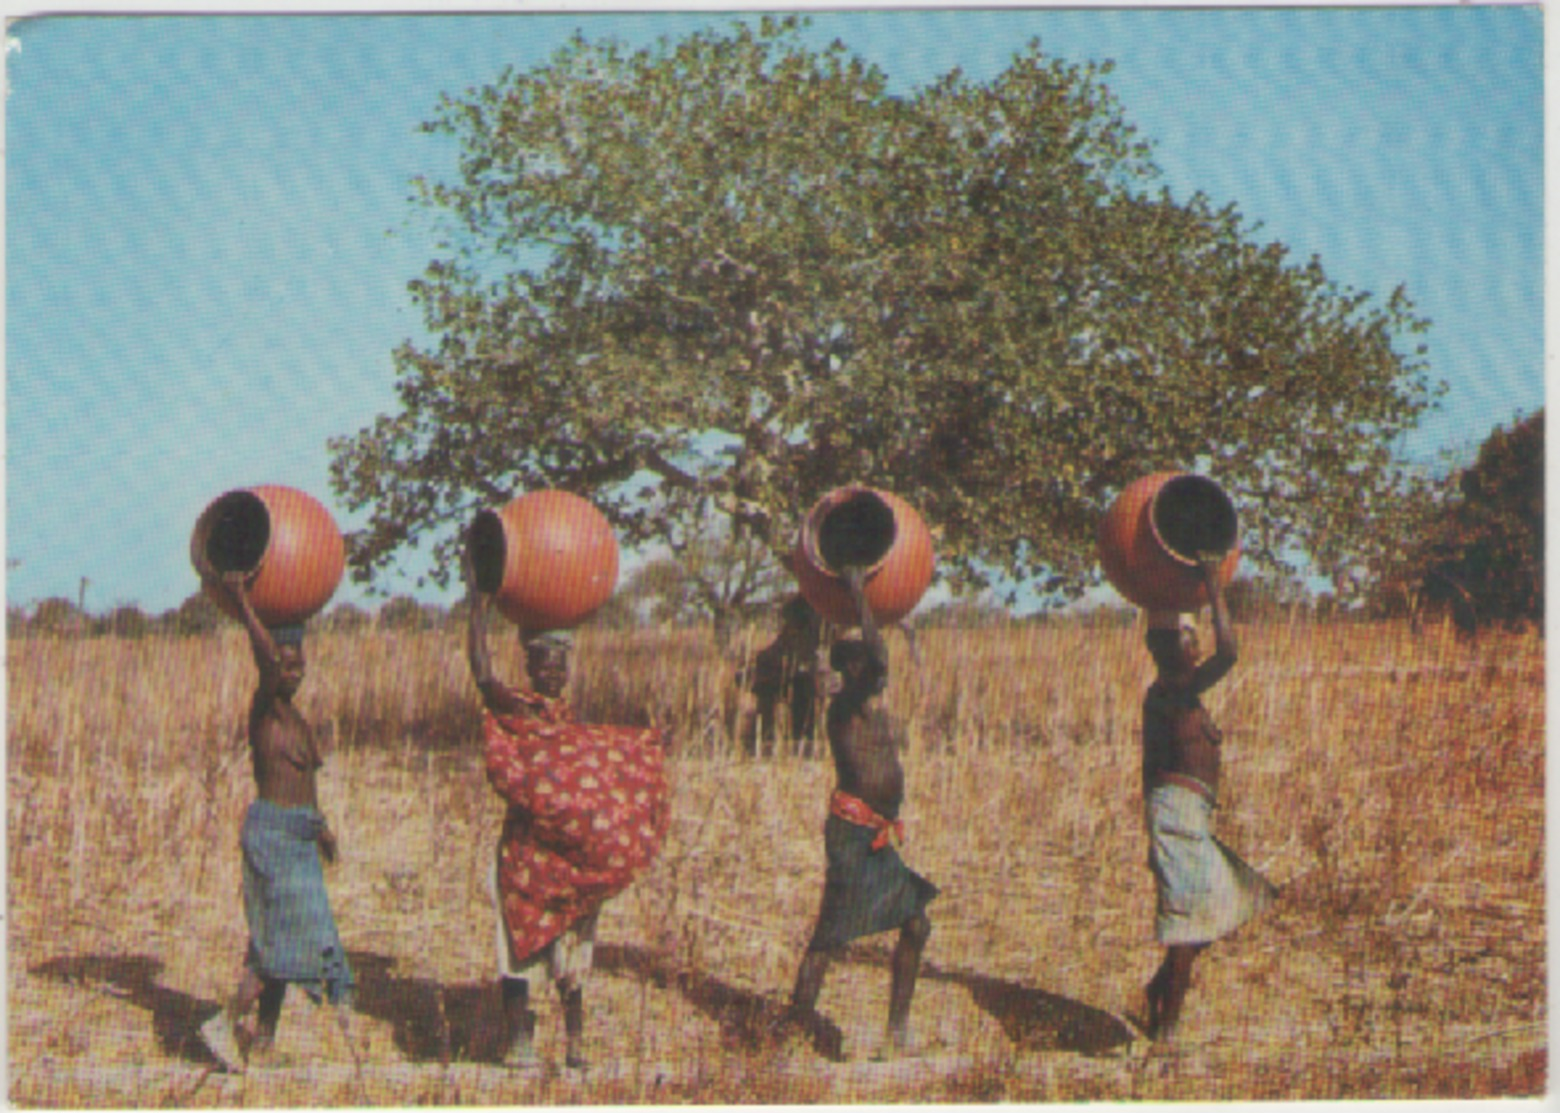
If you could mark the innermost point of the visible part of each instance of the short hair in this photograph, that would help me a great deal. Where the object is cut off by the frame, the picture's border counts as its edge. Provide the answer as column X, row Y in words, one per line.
column 1164, row 646
column 843, row 653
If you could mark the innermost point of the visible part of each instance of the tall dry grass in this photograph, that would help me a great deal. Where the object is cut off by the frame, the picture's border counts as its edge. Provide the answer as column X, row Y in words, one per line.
column 1392, row 784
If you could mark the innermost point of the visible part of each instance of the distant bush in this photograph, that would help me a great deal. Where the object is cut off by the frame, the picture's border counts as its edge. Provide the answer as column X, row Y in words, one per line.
column 405, row 614
column 126, row 622
column 344, row 618
column 194, row 617
column 58, row 616
column 1482, row 554
column 1258, row 598
column 963, row 614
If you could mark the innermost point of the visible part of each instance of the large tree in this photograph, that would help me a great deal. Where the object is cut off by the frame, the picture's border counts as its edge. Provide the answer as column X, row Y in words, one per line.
column 724, row 274
column 713, row 574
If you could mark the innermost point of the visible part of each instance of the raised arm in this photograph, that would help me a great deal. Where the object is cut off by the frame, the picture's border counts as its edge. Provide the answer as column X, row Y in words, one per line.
column 476, row 627
column 268, row 659
column 496, row 696
column 1214, row 669
column 871, row 637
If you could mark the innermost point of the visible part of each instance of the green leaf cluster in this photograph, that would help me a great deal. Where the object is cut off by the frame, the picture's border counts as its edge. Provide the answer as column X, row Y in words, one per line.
column 1482, row 546
column 720, row 276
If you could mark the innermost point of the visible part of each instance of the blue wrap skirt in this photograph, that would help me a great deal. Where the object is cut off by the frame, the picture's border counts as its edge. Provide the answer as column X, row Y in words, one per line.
column 292, row 934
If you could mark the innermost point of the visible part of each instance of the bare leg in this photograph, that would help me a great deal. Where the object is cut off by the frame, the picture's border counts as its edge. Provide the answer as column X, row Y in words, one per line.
column 1167, row 991
column 251, row 987
column 519, row 1023
column 766, row 727
column 906, row 965
column 270, row 1011
column 219, row 1033
column 809, row 982
column 573, row 997
column 263, row 1035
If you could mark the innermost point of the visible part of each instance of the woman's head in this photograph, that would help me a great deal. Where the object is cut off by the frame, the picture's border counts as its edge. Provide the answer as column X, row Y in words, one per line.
column 547, row 662
column 1172, row 643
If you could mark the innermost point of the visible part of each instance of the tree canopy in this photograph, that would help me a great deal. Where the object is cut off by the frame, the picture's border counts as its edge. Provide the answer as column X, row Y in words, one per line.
column 724, row 274
column 1482, row 545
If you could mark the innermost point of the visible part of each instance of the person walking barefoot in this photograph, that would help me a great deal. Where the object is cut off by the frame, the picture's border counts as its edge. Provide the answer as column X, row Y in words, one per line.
column 1204, row 890
column 867, row 887
column 292, row 933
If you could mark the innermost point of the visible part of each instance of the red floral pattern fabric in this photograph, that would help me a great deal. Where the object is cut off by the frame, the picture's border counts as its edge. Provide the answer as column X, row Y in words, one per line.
column 588, row 810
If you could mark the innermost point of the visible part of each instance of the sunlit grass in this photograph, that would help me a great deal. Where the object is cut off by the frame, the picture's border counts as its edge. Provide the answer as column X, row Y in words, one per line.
column 1393, row 785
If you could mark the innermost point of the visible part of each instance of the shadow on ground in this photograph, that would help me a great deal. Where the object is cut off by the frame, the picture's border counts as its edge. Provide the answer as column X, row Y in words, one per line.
column 430, row 1021
column 747, row 1020
column 1039, row 1021
column 176, row 1016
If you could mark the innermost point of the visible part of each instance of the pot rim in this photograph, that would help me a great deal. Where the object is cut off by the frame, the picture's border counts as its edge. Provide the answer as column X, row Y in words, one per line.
column 822, row 508
column 1153, row 522
column 206, row 523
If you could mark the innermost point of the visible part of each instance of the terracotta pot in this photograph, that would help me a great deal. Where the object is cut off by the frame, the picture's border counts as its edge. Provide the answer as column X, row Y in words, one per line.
column 1149, row 538
column 860, row 525
column 549, row 557
column 284, row 539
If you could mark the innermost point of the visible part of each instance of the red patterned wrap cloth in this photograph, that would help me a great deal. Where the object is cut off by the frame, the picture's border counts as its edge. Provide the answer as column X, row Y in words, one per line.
column 853, row 809
column 588, row 810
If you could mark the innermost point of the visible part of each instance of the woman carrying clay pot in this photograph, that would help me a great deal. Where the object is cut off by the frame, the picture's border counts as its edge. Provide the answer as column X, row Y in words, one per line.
column 867, row 888
column 587, row 811
column 1204, row 890
column 292, row 933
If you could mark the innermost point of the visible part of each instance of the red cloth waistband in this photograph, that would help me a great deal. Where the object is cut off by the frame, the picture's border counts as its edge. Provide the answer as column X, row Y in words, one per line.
column 1189, row 782
column 853, row 809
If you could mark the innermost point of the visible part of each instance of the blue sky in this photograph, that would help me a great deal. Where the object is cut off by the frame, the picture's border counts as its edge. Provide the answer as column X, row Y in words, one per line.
column 208, row 233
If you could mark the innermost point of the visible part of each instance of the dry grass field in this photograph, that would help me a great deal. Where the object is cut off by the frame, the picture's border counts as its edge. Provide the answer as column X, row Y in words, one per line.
column 1393, row 785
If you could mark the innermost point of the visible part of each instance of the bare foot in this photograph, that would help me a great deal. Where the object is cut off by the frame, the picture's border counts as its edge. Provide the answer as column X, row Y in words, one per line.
column 218, row 1035
column 898, row 1045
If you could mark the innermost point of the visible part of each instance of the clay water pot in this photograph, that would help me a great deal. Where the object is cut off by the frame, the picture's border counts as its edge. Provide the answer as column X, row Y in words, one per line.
column 285, row 541
column 1150, row 537
column 863, row 526
column 550, row 559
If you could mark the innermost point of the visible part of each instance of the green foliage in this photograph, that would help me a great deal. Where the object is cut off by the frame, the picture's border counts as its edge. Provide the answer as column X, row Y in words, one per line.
column 711, row 575
column 194, row 617
column 1485, row 545
column 721, row 276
